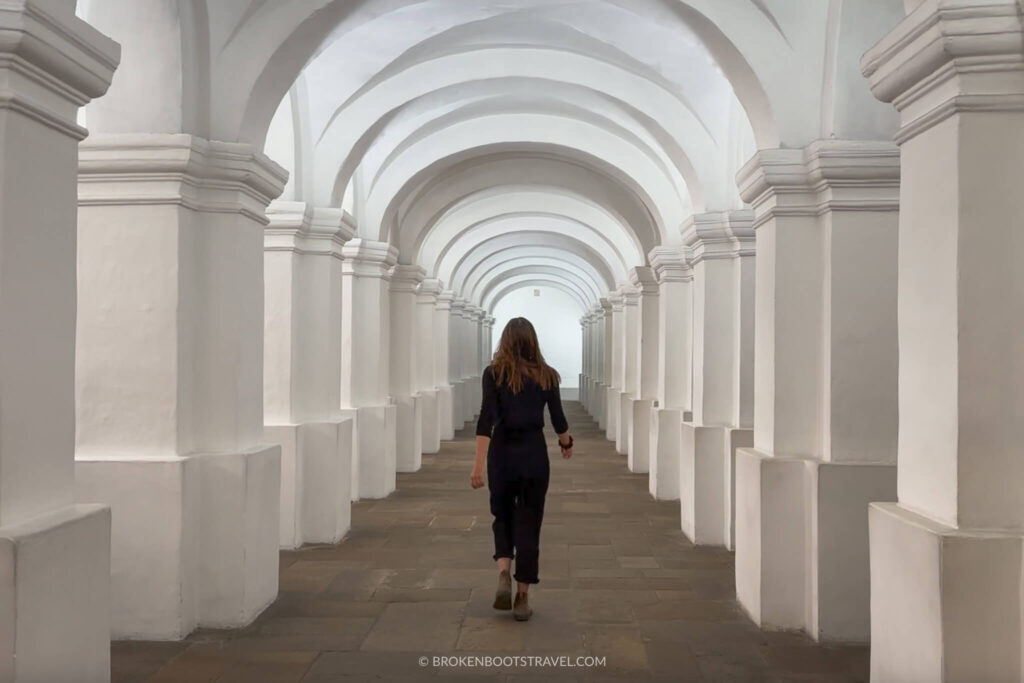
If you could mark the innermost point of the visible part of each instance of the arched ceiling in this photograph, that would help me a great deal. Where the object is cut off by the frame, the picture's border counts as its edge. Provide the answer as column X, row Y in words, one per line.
column 496, row 142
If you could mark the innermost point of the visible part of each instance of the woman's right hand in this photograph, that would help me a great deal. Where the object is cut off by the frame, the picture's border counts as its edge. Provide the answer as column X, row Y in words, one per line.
column 566, row 453
column 476, row 478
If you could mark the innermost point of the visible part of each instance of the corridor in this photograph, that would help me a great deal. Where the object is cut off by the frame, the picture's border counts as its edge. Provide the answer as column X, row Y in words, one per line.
column 413, row 579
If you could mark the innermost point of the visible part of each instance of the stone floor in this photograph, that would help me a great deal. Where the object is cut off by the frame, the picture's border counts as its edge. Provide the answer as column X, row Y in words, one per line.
column 414, row 580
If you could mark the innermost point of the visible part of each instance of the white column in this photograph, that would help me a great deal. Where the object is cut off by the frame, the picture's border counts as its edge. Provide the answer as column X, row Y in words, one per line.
column 365, row 367
column 584, row 359
column 604, row 417
column 617, row 367
column 405, row 281
column 721, row 247
column 54, row 554
column 825, row 395
column 169, row 378
column 675, row 334
column 645, row 351
column 442, row 331
column 630, row 334
column 456, row 360
column 946, row 563
column 474, row 368
column 302, row 370
column 426, row 360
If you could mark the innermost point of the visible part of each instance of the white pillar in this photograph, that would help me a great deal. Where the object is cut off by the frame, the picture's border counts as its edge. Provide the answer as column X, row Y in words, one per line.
column 365, row 367
column 946, row 566
column 426, row 374
column 630, row 335
column 302, row 370
column 442, row 331
column 474, row 369
column 645, row 351
column 721, row 247
column 617, row 368
column 825, row 399
column 675, row 321
column 54, row 554
column 456, row 360
column 405, row 281
column 169, row 378
column 607, row 357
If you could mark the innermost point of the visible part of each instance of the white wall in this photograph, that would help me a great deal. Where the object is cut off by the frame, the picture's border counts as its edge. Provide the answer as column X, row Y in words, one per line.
column 556, row 317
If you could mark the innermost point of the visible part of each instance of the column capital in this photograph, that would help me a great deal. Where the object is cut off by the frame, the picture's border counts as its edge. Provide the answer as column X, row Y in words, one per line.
column 827, row 175
column 301, row 228
column 615, row 298
column 947, row 57
column 406, row 278
column 670, row 264
column 490, row 321
column 368, row 258
column 58, row 63
column 445, row 299
column 643, row 280
column 177, row 169
column 606, row 304
column 630, row 295
column 429, row 290
column 724, row 235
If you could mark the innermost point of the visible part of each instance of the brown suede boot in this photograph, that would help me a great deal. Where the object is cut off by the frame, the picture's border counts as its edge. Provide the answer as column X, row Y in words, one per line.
column 521, row 611
column 503, row 597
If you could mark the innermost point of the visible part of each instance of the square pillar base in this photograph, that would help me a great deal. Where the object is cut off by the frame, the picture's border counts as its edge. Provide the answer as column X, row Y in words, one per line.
column 707, row 482
column 375, row 450
column 611, row 420
column 473, row 396
column 625, row 423
column 194, row 538
column 802, row 542
column 445, row 412
column 430, row 426
column 316, row 481
column 458, row 406
column 55, row 597
column 945, row 603
column 408, row 437
column 600, row 398
column 638, row 447
column 666, row 442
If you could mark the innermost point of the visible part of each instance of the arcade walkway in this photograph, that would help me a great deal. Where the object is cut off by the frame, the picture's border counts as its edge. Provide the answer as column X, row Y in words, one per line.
column 413, row 579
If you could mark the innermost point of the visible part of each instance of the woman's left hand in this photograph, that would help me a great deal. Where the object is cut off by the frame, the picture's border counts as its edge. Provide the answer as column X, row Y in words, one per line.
column 567, row 453
column 476, row 479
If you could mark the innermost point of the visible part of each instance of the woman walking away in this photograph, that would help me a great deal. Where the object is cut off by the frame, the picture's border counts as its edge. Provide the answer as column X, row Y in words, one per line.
column 516, row 387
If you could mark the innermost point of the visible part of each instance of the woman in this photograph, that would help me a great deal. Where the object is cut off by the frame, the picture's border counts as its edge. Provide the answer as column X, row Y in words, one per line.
column 516, row 387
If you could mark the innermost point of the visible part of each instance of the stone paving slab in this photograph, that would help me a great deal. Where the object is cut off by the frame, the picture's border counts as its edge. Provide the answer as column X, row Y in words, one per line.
column 414, row 578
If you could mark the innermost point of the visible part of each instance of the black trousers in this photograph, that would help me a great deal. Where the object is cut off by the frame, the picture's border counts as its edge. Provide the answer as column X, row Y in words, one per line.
column 517, row 476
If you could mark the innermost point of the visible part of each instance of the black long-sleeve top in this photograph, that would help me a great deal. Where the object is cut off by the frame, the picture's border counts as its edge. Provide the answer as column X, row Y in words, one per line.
column 503, row 411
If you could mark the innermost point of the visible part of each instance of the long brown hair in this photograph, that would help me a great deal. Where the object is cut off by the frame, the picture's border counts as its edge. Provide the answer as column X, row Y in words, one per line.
column 519, row 356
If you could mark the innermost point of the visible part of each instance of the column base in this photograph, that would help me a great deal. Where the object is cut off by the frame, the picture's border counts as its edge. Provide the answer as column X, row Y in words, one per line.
column 445, row 412
column 666, row 434
column 611, row 403
column 945, row 603
column 625, row 423
column 707, row 481
column 55, row 597
column 638, row 445
column 316, row 481
column 375, row 450
column 458, row 406
column 600, row 399
column 802, row 542
column 471, row 398
column 408, row 437
column 584, row 385
column 194, row 539
column 430, row 427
